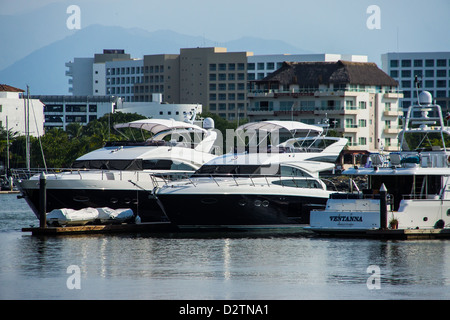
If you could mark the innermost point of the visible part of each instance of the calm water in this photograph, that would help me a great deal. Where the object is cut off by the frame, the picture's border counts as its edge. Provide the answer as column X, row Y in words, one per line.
column 214, row 266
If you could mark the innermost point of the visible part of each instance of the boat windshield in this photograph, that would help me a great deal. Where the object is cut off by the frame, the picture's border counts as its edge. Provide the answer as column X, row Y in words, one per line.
column 251, row 170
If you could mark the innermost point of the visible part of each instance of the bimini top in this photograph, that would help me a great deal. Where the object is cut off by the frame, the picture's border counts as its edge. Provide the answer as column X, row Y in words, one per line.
column 272, row 125
column 158, row 125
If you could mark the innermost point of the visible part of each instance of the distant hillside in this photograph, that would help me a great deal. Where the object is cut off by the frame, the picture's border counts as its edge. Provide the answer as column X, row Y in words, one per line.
column 44, row 69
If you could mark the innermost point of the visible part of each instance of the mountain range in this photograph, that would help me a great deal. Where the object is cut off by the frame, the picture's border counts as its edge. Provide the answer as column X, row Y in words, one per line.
column 43, row 69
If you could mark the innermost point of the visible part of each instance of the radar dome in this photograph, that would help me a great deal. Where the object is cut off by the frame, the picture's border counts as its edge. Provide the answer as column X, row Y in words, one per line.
column 425, row 98
column 208, row 123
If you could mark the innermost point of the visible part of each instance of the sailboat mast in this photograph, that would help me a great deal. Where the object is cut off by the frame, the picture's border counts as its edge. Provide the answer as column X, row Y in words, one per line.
column 27, row 129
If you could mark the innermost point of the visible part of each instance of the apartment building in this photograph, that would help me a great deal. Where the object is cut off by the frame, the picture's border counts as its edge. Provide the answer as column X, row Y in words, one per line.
column 160, row 75
column 112, row 72
column 356, row 99
column 211, row 77
column 118, row 78
column 215, row 77
column 432, row 70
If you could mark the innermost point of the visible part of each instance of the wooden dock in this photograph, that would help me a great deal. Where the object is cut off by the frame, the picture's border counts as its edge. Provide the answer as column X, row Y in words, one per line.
column 409, row 234
column 153, row 227
column 389, row 234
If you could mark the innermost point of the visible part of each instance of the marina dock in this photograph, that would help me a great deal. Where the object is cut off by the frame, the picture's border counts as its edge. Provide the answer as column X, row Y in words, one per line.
column 154, row 227
column 389, row 234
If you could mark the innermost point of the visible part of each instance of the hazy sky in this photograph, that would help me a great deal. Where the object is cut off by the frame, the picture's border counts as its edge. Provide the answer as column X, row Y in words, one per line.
column 319, row 26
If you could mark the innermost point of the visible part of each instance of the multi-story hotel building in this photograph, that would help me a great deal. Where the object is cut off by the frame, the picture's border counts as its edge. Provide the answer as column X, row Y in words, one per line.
column 358, row 100
column 212, row 77
column 112, row 72
column 432, row 70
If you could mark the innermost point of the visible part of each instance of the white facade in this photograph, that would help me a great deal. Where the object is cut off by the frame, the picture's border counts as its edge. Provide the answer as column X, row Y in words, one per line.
column 431, row 68
column 260, row 66
column 98, row 79
column 80, row 73
column 158, row 110
column 13, row 110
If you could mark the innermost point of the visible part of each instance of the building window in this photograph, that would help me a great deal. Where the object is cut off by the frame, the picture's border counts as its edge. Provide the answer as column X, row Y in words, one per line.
column 406, row 84
column 251, row 66
column 441, row 73
column 441, row 83
column 441, row 63
column 429, row 83
column 387, row 142
column 429, row 73
column 406, row 63
column 406, row 73
column 362, row 105
column 394, row 63
column 429, row 63
column 418, row 63
column 362, row 141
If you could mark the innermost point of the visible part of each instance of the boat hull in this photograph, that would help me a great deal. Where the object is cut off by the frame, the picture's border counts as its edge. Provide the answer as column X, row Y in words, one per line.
column 238, row 211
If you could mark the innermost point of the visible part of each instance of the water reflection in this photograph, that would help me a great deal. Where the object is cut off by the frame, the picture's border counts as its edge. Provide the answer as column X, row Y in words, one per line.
column 177, row 267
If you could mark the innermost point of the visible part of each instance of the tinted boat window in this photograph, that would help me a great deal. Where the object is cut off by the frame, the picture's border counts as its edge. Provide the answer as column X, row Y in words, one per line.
column 287, row 171
column 299, row 183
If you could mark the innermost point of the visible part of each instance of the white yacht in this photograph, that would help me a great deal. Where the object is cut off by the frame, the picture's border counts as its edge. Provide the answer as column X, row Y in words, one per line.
column 118, row 175
column 416, row 180
column 272, row 187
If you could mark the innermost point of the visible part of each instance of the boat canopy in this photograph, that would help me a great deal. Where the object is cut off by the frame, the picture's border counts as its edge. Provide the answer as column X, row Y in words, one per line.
column 272, row 125
column 159, row 125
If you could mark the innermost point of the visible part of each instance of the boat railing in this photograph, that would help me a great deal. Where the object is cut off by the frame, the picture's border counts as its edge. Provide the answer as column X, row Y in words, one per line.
column 103, row 174
column 408, row 159
column 257, row 180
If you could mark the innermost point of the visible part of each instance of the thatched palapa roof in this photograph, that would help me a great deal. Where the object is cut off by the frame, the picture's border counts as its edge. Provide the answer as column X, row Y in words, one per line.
column 311, row 74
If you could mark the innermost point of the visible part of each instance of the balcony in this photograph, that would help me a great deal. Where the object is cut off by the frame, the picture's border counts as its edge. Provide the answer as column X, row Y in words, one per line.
column 393, row 95
column 393, row 113
column 391, row 130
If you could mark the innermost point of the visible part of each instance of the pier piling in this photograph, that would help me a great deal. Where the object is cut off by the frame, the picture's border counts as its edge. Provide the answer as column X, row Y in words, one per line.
column 42, row 200
column 383, row 207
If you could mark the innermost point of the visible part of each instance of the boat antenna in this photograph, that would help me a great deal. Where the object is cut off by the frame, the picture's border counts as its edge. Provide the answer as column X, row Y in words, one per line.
column 418, row 85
